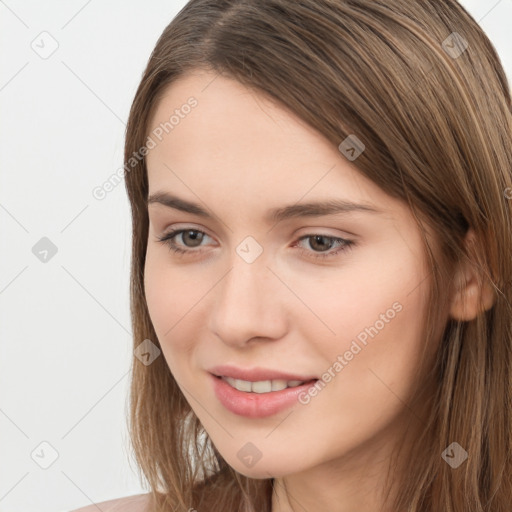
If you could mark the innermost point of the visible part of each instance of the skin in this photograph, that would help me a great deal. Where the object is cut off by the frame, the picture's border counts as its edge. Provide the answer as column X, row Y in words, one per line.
column 238, row 155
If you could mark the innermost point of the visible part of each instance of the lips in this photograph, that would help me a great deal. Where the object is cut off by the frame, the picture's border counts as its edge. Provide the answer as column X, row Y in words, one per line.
column 255, row 405
column 257, row 374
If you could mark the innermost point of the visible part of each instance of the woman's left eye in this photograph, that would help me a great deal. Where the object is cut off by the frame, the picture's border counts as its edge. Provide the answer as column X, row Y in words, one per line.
column 316, row 240
column 342, row 243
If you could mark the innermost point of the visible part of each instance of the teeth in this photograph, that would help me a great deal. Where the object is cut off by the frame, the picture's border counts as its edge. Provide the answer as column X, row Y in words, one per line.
column 263, row 386
column 278, row 384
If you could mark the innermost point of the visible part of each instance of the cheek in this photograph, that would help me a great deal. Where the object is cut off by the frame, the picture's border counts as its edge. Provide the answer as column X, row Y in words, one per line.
column 169, row 296
column 376, row 314
column 177, row 302
column 378, row 297
column 344, row 302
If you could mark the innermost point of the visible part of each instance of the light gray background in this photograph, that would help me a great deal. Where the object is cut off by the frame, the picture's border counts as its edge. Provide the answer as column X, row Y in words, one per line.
column 65, row 327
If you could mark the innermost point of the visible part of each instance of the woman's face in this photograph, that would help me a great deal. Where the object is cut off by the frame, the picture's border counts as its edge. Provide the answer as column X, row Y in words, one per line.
column 336, row 296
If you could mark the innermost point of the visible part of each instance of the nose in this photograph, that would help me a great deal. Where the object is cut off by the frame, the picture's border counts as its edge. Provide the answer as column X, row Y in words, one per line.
column 248, row 304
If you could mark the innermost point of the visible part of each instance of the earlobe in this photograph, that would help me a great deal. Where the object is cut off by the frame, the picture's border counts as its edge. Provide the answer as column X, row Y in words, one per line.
column 471, row 292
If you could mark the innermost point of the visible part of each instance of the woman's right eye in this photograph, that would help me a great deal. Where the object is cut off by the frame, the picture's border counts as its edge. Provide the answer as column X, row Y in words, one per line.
column 167, row 239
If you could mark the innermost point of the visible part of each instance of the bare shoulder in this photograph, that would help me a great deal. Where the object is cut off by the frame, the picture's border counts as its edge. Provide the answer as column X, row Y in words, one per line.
column 137, row 503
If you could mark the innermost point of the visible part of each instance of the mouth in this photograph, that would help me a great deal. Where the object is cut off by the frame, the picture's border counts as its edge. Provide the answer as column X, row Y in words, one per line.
column 258, row 399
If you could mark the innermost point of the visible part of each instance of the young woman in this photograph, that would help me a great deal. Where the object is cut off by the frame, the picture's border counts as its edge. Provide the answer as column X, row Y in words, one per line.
column 321, row 268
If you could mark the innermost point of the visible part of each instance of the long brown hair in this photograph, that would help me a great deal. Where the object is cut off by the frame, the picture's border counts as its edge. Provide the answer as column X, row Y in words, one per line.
column 422, row 86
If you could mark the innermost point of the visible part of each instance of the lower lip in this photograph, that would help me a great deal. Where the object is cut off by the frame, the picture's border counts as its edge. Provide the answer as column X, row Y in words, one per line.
column 256, row 405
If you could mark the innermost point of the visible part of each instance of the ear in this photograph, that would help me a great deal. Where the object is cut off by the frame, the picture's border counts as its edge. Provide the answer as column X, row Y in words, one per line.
column 470, row 287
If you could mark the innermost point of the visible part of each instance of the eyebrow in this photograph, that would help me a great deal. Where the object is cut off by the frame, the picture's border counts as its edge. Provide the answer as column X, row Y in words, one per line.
column 312, row 209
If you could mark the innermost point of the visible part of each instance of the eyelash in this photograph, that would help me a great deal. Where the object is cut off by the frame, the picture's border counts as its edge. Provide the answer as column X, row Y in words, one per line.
column 346, row 244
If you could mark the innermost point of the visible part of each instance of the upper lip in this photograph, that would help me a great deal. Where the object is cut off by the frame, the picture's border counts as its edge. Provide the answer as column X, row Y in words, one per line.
column 256, row 374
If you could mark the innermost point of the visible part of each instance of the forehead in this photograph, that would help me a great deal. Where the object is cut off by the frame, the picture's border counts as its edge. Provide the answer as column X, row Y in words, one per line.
column 228, row 115
column 237, row 140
